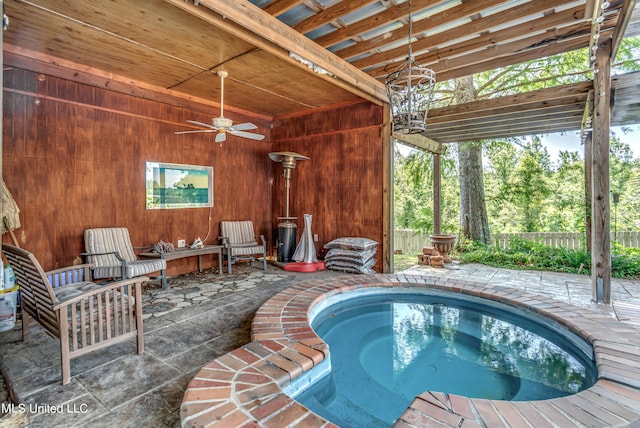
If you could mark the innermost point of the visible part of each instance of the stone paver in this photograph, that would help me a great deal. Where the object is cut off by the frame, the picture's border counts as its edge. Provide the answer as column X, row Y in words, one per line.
column 206, row 316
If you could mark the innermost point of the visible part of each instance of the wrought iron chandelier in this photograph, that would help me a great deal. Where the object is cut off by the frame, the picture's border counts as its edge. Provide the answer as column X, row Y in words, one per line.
column 410, row 89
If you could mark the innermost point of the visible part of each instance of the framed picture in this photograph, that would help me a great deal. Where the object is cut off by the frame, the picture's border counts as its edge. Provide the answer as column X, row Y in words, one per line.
column 172, row 185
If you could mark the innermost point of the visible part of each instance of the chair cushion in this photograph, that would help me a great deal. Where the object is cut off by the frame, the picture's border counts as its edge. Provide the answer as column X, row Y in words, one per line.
column 67, row 292
column 254, row 249
column 238, row 231
column 134, row 268
column 108, row 239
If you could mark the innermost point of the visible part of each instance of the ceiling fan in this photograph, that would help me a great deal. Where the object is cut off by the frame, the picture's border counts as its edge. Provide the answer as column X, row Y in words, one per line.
column 222, row 125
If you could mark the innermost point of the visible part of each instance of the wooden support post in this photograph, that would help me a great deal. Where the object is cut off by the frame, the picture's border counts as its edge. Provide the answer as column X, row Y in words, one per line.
column 437, row 204
column 387, row 190
column 601, row 213
column 588, row 161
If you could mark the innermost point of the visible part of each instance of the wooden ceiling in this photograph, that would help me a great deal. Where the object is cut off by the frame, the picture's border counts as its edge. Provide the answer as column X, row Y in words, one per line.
column 347, row 46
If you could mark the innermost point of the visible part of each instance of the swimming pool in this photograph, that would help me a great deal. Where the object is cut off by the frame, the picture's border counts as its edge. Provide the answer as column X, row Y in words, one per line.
column 247, row 385
column 388, row 347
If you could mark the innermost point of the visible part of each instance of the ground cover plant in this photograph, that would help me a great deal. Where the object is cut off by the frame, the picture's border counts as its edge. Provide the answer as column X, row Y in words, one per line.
column 527, row 254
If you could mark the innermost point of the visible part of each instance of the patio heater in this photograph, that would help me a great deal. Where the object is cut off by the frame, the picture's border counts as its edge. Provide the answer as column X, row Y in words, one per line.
column 287, row 229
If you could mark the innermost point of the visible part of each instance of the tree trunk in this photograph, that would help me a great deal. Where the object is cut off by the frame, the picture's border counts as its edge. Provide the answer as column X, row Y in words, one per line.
column 473, row 211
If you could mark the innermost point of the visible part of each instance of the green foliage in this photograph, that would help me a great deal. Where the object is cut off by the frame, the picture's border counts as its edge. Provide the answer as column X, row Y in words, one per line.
column 413, row 192
column 527, row 254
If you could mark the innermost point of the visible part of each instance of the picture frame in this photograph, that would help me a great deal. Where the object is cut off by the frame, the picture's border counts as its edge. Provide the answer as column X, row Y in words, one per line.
column 172, row 186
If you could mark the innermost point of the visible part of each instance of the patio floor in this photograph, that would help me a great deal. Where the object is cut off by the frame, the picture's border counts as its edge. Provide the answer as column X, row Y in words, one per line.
column 201, row 317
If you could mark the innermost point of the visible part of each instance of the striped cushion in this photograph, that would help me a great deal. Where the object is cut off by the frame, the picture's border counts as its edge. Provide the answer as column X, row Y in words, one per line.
column 108, row 239
column 134, row 268
column 238, row 232
column 242, row 251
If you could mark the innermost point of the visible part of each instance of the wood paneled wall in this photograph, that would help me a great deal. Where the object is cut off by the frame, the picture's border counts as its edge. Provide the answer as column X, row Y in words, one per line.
column 74, row 158
column 341, row 185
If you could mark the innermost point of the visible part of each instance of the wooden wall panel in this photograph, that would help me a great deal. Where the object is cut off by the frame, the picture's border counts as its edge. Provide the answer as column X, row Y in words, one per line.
column 74, row 158
column 341, row 185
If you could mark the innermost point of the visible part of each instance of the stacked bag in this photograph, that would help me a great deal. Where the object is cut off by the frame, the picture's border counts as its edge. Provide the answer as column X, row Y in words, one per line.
column 355, row 255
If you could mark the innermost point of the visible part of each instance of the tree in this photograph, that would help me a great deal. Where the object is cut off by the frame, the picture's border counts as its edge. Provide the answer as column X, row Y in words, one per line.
column 529, row 185
column 502, row 160
column 473, row 211
column 566, row 206
column 561, row 210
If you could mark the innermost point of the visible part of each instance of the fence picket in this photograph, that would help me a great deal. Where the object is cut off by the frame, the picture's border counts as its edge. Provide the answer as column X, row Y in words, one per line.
column 411, row 242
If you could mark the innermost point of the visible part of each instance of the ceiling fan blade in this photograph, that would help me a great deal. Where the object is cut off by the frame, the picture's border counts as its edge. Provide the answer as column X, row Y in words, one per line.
column 249, row 135
column 243, row 127
column 222, row 136
column 194, row 132
column 206, row 125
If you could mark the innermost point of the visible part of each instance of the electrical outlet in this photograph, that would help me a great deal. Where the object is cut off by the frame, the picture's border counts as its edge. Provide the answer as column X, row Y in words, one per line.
column 315, row 237
column 182, row 243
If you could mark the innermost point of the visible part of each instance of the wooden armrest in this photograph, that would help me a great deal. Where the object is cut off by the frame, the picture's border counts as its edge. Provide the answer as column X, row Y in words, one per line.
column 137, row 282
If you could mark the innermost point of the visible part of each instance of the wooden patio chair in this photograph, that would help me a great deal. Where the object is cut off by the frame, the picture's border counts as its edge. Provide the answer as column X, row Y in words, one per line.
column 83, row 315
column 109, row 249
column 241, row 243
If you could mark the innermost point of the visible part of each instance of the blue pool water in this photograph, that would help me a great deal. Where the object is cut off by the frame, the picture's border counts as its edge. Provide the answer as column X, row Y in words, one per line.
column 388, row 348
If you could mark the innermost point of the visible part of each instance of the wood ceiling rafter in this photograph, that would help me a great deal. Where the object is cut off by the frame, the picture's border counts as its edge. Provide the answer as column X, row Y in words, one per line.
column 547, row 110
column 508, row 40
column 178, row 43
column 330, row 14
column 276, row 38
column 278, row 7
column 391, row 14
column 460, row 12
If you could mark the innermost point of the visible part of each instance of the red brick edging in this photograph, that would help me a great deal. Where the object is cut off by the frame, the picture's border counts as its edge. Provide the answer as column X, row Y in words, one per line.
column 243, row 387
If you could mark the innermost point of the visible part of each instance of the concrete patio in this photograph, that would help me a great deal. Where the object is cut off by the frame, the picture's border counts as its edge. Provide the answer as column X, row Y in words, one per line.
column 200, row 318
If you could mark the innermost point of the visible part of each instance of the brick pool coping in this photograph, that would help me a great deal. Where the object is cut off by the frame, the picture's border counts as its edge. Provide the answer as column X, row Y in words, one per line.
column 244, row 387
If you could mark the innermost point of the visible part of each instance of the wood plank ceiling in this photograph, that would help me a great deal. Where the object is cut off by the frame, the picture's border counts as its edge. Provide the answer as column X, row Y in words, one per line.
column 174, row 46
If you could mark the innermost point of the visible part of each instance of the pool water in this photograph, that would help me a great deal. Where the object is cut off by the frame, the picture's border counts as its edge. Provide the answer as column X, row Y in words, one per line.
column 384, row 353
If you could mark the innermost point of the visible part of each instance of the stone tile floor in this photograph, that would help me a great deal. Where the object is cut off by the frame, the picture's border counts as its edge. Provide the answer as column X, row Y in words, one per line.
column 201, row 317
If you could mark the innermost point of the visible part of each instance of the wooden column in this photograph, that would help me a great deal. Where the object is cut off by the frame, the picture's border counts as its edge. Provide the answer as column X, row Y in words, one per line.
column 437, row 204
column 601, row 221
column 588, row 160
column 387, row 191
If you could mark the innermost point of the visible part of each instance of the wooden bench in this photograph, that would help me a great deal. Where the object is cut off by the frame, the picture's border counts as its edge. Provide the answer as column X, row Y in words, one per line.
column 180, row 253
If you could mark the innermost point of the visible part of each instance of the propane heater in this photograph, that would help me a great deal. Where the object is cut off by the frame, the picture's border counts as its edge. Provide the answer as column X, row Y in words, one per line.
column 287, row 229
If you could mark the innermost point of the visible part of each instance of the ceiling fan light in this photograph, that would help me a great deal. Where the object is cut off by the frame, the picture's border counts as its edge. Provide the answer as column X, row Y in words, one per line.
column 221, row 122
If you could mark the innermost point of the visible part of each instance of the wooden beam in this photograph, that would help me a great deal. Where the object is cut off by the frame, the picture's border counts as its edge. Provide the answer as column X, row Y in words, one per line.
column 387, row 190
column 278, row 7
column 467, row 45
column 601, row 211
column 506, row 60
column 519, row 100
column 330, row 14
column 588, row 166
column 421, row 142
column 393, row 13
column 245, row 20
column 621, row 27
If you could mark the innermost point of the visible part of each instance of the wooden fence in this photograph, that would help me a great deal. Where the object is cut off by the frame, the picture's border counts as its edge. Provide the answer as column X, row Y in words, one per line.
column 410, row 242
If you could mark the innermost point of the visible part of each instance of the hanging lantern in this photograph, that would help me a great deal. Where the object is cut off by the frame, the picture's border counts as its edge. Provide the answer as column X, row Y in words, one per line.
column 410, row 89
